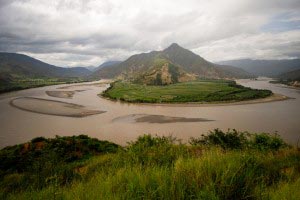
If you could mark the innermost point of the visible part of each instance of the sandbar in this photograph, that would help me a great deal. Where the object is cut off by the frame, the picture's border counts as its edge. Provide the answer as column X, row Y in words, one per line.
column 51, row 107
column 160, row 119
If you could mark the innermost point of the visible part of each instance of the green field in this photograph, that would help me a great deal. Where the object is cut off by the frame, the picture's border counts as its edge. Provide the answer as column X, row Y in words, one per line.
column 197, row 91
column 25, row 83
column 222, row 165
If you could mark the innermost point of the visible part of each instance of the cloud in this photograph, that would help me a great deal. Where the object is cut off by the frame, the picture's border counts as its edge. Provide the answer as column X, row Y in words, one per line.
column 283, row 45
column 83, row 33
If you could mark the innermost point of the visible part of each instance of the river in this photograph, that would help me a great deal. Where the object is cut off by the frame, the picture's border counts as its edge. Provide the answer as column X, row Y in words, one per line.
column 123, row 122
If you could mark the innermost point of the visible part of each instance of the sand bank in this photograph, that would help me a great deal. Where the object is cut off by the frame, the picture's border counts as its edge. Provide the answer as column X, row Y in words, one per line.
column 51, row 107
column 160, row 119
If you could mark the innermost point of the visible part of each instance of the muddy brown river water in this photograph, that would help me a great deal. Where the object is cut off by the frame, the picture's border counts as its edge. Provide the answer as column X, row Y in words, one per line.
column 123, row 122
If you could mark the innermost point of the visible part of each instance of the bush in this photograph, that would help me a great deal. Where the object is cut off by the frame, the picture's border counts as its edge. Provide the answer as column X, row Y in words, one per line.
column 221, row 165
column 151, row 150
column 265, row 141
column 44, row 159
column 233, row 139
column 38, row 139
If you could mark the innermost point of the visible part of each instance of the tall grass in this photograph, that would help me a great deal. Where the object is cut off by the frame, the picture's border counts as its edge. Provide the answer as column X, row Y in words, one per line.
column 163, row 168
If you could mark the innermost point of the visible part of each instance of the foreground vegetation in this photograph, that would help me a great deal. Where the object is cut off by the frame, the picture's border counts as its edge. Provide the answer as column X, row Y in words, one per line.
column 203, row 91
column 231, row 165
column 25, row 83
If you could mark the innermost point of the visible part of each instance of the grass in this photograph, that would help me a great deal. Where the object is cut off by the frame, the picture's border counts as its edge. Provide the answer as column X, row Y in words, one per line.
column 203, row 91
column 222, row 165
column 26, row 83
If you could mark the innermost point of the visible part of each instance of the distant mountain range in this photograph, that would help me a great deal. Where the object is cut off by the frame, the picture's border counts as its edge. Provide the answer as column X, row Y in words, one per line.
column 173, row 64
column 19, row 65
column 269, row 68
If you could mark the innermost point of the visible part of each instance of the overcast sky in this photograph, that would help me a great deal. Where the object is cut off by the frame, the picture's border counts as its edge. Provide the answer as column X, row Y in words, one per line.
column 89, row 32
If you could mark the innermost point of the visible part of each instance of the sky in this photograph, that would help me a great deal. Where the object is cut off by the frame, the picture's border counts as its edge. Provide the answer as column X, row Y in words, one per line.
column 72, row 33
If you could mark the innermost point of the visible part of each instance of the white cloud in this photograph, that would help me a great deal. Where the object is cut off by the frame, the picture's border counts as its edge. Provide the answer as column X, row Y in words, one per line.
column 82, row 33
column 281, row 45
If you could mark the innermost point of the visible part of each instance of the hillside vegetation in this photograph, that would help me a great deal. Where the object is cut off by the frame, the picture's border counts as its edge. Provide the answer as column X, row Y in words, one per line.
column 221, row 165
column 202, row 91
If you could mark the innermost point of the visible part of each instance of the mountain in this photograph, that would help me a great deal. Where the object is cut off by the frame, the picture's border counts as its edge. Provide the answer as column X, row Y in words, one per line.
column 292, row 75
column 270, row 68
column 91, row 68
column 19, row 65
column 105, row 64
column 181, row 63
column 109, row 63
column 163, row 72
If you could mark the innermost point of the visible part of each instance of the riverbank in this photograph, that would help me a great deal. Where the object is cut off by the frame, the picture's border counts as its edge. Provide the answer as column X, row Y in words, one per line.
column 272, row 98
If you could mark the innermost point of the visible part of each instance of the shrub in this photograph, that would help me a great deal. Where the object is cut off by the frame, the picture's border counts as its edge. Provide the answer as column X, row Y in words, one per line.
column 232, row 139
column 266, row 141
column 153, row 150
column 38, row 139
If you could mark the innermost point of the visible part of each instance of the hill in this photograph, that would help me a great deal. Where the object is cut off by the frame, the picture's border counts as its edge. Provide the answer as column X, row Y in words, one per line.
column 91, row 68
column 109, row 63
column 220, row 165
column 291, row 78
column 269, row 68
column 292, row 75
column 18, row 71
column 188, row 63
column 105, row 64
column 19, row 65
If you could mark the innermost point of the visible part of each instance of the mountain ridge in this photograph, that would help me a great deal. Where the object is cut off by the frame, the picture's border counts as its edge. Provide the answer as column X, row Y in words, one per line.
column 22, row 65
column 270, row 68
column 188, row 62
column 291, row 75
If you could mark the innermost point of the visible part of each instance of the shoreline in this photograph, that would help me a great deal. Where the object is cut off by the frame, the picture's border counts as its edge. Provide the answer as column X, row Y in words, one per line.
column 37, row 86
column 273, row 98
